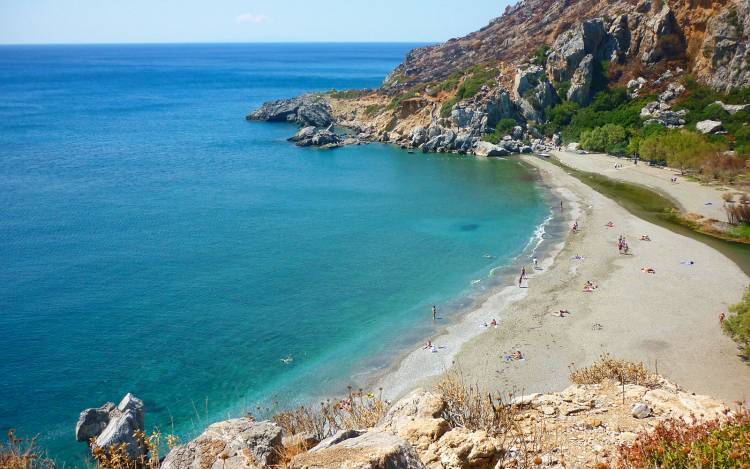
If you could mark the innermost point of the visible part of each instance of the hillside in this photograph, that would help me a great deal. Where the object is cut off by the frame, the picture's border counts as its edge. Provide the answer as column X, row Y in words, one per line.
column 518, row 83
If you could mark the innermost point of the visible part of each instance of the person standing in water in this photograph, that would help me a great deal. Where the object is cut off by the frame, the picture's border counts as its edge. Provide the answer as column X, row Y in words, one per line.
column 434, row 313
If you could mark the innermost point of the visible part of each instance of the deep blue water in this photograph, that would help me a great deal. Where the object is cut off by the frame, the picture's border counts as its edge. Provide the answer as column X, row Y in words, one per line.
column 154, row 242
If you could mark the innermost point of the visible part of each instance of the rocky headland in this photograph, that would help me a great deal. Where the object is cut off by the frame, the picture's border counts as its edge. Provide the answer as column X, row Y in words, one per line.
column 450, row 97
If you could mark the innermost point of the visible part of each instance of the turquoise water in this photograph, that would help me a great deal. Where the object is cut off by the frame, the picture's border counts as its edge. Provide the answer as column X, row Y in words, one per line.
column 155, row 242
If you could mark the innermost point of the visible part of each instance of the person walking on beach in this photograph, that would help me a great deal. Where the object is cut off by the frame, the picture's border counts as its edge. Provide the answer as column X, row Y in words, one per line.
column 722, row 317
column 434, row 313
column 523, row 274
column 536, row 263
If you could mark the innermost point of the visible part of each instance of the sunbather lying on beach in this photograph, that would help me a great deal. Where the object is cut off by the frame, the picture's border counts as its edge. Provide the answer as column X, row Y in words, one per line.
column 687, row 262
column 578, row 257
column 427, row 345
column 648, row 270
column 590, row 286
column 645, row 238
column 610, row 225
column 561, row 313
column 517, row 355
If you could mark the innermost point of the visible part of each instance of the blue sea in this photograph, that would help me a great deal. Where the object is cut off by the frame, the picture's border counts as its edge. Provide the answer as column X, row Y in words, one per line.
column 153, row 241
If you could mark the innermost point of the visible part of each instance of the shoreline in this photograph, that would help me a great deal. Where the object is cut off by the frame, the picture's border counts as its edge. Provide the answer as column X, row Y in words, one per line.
column 420, row 367
column 668, row 320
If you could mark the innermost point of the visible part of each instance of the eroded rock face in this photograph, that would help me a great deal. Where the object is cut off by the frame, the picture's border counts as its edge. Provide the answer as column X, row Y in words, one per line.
column 109, row 425
column 232, row 444
column 417, row 418
column 307, row 110
column 371, row 450
column 725, row 53
column 93, row 421
column 580, row 85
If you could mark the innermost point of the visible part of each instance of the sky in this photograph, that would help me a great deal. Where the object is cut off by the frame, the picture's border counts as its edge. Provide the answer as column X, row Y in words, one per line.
column 139, row 21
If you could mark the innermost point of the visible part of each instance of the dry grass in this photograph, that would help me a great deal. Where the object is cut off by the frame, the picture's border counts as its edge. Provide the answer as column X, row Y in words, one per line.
column 117, row 457
column 357, row 411
column 608, row 368
column 22, row 453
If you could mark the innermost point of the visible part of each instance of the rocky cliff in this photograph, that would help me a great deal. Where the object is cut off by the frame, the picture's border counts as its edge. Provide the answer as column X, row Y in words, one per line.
column 582, row 426
column 539, row 53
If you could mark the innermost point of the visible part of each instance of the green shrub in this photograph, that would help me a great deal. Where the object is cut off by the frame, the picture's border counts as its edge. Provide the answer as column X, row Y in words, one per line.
column 396, row 102
column 447, row 107
column 611, row 138
column 502, row 128
column 679, row 148
column 737, row 325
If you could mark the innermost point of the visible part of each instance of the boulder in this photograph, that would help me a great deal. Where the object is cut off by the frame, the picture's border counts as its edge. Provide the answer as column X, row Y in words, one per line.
column 673, row 90
column 734, row 108
column 483, row 148
column 580, row 84
column 307, row 110
column 93, row 421
column 311, row 136
column 682, row 405
column 708, row 126
column 462, row 449
column 417, row 418
column 121, row 430
column 231, row 444
column 372, row 450
column 641, row 410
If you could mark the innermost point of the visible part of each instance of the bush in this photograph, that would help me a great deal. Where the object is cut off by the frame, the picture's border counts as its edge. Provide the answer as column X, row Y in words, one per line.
column 680, row 149
column 608, row 368
column 20, row 453
column 357, row 410
column 737, row 325
column 675, row 443
column 611, row 138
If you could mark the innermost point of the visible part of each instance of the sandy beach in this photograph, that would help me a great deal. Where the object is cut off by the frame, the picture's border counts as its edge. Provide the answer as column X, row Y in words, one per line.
column 690, row 196
column 668, row 319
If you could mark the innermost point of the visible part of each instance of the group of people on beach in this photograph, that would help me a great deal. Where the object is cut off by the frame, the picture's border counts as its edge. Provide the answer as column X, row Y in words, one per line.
column 622, row 245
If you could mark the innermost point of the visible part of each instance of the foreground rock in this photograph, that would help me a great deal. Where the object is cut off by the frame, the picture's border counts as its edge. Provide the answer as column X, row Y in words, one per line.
column 307, row 110
column 232, row 444
column 708, row 126
column 109, row 425
column 371, row 450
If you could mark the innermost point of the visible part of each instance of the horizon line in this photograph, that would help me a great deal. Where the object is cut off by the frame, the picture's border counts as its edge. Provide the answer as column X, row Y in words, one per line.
column 6, row 44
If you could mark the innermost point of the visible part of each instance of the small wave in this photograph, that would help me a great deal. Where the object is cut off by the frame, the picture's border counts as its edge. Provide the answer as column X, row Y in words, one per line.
column 475, row 281
column 538, row 236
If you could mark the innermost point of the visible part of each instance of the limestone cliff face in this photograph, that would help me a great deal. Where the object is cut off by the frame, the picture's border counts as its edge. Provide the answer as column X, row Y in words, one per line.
column 447, row 97
column 708, row 37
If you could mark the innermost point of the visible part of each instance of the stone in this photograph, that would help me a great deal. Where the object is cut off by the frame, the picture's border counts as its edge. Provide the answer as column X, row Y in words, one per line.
column 461, row 448
column 307, row 110
column 311, row 136
column 641, row 410
column 121, row 430
column 734, row 108
column 708, row 126
column 416, row 418
column 682, row 405
column 231, row 444
column 483, row 148
column 370, row 450
column 93, row 421
column 673, row 90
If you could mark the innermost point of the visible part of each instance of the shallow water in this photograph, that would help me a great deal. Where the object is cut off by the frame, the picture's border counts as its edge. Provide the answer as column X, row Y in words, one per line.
column 155, row 242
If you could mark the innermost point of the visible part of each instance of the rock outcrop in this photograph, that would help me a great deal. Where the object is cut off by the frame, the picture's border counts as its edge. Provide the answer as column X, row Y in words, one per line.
column 371, row 450
column 317, row 137
column 109, row 425
column 708, row 126
column 232, row 444
column 307, row 110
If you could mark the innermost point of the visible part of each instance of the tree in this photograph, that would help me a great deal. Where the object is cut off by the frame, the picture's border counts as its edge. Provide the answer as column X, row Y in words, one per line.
column 611, row 138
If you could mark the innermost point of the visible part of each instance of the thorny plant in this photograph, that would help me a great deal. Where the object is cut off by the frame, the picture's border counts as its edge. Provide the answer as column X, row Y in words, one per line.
column 358, row 410
column 608, row 368
column 22, row 453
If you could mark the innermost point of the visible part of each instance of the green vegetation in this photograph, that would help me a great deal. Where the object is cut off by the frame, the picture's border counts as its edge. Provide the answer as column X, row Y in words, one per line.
column 504, row 127
column 348, row 94
column 679, row 148
column 737, row 325
column 374, row 110
column 539, row 57
column 674, row 443
column 612, row 106
column 396, row 102
column 473, row 81
column 611, row 138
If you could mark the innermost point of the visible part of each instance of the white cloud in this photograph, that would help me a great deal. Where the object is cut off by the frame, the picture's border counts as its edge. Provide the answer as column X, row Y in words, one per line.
column 252, row 18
